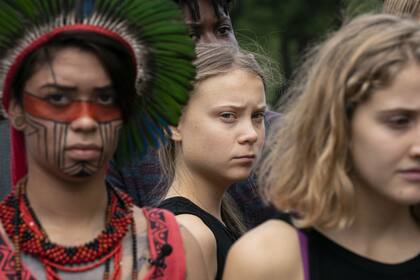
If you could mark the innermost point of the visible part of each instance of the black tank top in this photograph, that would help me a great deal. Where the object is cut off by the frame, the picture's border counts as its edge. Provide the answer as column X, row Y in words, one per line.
column 224, row 237
column 328, row 260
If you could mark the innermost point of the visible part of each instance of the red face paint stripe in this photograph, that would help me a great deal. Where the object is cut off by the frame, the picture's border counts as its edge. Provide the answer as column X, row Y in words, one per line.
column 40, row 108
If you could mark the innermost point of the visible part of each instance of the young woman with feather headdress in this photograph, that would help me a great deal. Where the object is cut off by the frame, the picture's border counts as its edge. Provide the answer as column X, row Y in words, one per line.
column 78, row 80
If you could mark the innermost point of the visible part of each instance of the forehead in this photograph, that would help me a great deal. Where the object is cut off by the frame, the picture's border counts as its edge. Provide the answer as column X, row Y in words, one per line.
column 197, row 9
column 237, row 87
column 70, row 66
column 403, row 91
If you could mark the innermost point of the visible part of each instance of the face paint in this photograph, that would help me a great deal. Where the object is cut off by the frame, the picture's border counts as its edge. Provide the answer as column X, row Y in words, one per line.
column 53, row 142
column 71, row 132
column 40, row 108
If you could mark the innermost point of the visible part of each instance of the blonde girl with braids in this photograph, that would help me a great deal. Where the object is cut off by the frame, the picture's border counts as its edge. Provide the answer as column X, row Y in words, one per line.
column 216, row 143
column 345, row 161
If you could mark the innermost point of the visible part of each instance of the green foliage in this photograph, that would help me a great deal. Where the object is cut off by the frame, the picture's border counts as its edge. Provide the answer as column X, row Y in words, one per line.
column 284, row 29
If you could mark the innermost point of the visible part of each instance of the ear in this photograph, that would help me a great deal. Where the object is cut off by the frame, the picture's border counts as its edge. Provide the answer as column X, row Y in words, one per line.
column 175, row 133
column 16, row 115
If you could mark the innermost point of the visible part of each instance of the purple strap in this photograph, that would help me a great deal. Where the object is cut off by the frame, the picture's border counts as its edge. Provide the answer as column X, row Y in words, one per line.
column 303, row 241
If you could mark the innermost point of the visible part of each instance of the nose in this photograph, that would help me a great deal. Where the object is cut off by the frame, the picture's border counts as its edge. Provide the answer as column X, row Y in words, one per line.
column 84, row 121
column 415, row 145
column 249, row 133
column 208, row 37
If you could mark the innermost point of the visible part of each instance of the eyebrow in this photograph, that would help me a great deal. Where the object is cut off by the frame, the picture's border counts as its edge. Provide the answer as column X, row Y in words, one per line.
column 240, row 107
column 196, row 24
column 72, row 88
column 397, row 110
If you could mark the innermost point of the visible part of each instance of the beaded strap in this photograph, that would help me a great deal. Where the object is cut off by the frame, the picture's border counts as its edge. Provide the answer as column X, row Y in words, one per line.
column 7, row 263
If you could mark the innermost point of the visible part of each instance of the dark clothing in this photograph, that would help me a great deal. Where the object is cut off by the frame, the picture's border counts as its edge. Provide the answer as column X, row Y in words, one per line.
column 141, row 179
column 5, row 183
column 330, row 261
column 224, row 237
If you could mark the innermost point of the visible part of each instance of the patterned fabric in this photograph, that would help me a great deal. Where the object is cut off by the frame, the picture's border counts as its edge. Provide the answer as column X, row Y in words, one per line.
column 142, row 180
column 163, row 230
column 7, row 263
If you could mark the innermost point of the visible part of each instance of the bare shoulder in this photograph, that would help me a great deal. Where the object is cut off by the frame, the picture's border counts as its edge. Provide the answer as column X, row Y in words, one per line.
column 196, row 266
column 275, row 250
column 199, row 230
column 205, row 239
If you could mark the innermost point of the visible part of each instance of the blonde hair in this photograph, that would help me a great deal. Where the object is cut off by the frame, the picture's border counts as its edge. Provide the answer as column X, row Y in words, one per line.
column 401, row 7
column 213, row 60
column 306, row 167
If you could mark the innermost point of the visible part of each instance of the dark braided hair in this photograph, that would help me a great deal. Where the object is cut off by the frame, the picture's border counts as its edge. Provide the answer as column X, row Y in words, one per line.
column 195, row 10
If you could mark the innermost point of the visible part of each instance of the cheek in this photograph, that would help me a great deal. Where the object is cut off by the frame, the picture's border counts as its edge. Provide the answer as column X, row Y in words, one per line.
column 44, row 138
column 375, row 154
column 109, row 134
column 204, row 142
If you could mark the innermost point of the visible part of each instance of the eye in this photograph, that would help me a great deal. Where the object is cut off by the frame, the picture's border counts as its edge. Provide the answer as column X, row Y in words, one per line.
column 58, row 99
column 258, row 116
column 399, row 121
column 228, row 117
column 106, row 99
column 224, row 30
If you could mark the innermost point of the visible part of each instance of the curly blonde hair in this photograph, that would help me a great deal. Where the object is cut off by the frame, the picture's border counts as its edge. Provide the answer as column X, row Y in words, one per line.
column 306, row 166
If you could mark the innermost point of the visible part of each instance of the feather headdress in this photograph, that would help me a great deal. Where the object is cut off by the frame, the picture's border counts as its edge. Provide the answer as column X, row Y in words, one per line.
column 152, row 30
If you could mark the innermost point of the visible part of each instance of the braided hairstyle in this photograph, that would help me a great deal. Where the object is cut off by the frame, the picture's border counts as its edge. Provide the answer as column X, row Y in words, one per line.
column 194, row 9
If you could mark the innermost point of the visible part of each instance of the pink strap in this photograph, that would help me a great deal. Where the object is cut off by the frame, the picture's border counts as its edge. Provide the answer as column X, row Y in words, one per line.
column 163, row 229
column 303, row 241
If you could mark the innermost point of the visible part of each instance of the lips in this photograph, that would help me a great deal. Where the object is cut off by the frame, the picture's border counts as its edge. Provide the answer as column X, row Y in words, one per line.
column 248, row 159
column 83, row 151
column 412, row 174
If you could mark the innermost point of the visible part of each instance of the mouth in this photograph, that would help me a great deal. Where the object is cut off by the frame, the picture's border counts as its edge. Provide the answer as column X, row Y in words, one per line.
column 411, row 174
column 84, row 152
column 245, row 158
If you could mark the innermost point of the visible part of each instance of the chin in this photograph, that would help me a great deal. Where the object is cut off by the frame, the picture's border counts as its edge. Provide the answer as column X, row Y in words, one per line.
column 240, row 176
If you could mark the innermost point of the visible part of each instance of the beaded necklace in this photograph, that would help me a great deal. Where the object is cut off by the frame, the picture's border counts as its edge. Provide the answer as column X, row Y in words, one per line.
column 26, row 232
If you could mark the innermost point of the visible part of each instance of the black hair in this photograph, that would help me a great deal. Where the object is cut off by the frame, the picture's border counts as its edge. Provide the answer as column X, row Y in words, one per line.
column 114, row 57
column 195, row 10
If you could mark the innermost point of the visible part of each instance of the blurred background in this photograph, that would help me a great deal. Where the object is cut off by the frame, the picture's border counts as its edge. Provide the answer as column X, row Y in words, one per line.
column 281, row 30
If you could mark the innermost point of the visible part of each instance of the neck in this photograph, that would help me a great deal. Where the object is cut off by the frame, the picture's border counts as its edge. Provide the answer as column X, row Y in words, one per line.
column 206, row 192
column 383, row 229
column 371, row 208
column 62, row 205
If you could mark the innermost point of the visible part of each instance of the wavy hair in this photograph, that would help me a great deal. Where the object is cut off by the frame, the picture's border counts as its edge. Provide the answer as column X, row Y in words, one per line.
column 402, row 7
column 306, row 167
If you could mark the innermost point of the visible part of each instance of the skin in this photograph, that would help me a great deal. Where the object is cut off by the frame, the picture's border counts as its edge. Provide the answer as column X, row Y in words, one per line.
column 71, row 130
column 385, row 149
column 229, row 109
column 209, row 28
column 66, row 158
column 72, row 124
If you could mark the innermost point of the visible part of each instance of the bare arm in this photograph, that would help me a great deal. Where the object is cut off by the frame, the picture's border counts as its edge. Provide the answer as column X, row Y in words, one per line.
column 205, row 239
column 195, row 266
column 270, row 251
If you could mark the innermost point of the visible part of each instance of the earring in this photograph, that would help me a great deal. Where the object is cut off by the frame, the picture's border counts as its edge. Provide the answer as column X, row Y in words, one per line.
column 19, row 121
